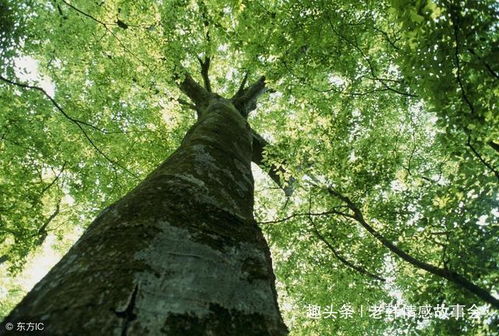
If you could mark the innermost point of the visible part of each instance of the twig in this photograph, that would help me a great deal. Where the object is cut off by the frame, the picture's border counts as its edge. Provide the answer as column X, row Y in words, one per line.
column 485, row 64
column 77, row 122
column 187, row 104
column 474, row 151
column 308, row 214
column 341, row 258
column 59, row 108
column 106, row 27
column 43, row 229
column 54, row 180
column 371, row 67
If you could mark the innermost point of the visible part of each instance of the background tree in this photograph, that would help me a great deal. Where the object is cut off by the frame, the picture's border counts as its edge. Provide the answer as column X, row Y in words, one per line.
column 390, row 104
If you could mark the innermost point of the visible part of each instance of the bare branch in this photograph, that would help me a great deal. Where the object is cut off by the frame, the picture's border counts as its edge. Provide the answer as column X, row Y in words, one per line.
column 205, row 68
column 198, row 94
column 187, row 104
column 245, row 101
column 242, row 86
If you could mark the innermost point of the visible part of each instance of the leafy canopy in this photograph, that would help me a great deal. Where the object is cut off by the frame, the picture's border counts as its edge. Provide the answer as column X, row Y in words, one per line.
column 389, row 104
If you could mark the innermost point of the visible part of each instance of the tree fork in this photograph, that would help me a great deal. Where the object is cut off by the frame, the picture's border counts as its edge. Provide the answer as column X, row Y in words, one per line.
column 245, row 101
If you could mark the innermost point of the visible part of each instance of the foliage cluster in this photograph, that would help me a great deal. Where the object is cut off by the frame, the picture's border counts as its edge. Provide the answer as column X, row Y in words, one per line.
column 391, row 105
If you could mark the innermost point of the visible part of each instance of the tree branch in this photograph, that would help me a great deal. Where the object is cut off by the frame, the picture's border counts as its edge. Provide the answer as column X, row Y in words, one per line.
column 85, row 14
column 273, row 171
column 382, row 81
column 458, row 65
column 42, row 230
column 198, row 94
column 187, row 104
column 54, row 180
column 205, row 68
column 110, row 31
column 77, row 122
column 387, row 38
column 485, row 64
column 459, row 79
column 242, row 86
column 245, row 101
column 485, row 163
column 493, row 145
column 308, row 214
column 450, row 275
column 359, row 269
column 57, row 106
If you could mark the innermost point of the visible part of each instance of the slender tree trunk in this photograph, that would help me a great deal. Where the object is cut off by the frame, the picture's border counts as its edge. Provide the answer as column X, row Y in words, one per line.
column 181, row 254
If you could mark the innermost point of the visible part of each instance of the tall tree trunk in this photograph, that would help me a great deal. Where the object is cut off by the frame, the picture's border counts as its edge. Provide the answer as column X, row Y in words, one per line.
column 181, row 254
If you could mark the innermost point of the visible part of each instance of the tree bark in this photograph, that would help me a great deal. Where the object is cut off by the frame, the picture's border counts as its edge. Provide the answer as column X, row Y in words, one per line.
column 181, row 254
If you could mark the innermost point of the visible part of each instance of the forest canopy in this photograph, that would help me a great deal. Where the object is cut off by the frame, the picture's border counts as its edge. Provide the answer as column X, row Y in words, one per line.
column 382, row 115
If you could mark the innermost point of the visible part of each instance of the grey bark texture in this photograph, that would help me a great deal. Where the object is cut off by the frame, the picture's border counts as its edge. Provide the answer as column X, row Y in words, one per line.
column 181, row 254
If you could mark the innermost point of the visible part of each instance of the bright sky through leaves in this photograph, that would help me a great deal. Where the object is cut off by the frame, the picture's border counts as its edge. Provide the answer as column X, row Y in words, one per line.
column 389, row 105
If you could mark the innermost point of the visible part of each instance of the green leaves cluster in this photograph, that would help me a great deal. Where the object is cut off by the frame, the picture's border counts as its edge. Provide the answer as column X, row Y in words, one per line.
column 390, row 103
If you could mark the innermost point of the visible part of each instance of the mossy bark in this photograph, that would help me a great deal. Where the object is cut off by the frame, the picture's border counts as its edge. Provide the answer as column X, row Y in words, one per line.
column 181, row 254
